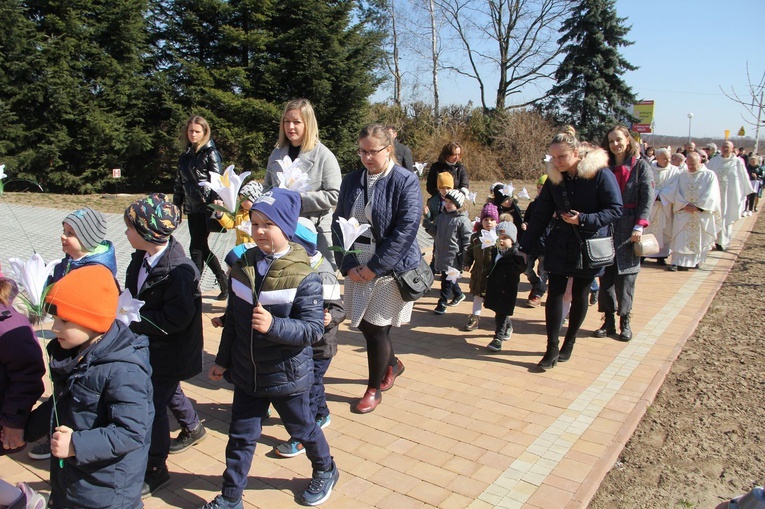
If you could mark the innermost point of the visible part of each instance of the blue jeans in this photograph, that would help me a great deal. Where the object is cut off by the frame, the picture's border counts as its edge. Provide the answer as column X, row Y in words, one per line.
column 317, row 395
column 247, row 413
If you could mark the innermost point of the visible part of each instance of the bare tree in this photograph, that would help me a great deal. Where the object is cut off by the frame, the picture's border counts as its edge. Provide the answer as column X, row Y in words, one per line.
column 752, row 103
column 434, row 53
column 514, row 38
column 392, row 59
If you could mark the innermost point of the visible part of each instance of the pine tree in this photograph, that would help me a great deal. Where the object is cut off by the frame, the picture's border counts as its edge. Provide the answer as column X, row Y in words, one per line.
column 328, row 53
column 80, row 93
column 590, row 93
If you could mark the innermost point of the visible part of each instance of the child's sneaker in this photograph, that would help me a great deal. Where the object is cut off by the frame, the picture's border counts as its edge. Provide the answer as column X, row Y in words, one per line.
column 456, row 300
column 495, row 345
column 440, row 309
column 40, row 451
column 289, row 449
column 186, row 438
column 321, row 485
column 323, row 422
column 29, row 498
column 535, row 301
column 221, row 502
column 472, row 323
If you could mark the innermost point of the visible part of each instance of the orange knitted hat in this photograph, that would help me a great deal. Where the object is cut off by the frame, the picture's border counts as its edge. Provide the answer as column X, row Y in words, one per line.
column 86, row 296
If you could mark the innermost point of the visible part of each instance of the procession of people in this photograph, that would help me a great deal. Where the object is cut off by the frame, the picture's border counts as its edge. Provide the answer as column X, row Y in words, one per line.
column 595, row 203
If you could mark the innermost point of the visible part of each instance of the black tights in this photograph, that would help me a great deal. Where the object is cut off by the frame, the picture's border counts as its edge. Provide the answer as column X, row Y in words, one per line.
column 199, row 250
column 379, row 351
column 580, row 292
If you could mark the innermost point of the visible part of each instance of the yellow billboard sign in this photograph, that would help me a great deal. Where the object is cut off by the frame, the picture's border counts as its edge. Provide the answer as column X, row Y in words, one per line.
column 644, row 112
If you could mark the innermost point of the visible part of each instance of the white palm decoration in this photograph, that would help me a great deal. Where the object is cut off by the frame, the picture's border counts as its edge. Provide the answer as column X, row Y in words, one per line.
column 524, row 194
column 488, row 238
column 128, row 308
column 351, row 230
column 452, row 274
column 227, row 187
column 292, row 177
column 419, row 167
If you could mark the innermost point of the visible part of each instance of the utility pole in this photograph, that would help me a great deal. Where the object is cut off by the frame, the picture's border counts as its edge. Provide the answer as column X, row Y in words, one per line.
column 757, row 129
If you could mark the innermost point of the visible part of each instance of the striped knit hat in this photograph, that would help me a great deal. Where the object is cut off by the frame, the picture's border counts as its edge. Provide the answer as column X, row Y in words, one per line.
column 89, row 226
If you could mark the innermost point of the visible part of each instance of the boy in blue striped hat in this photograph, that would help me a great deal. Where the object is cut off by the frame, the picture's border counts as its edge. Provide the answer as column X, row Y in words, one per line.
column 275, row 313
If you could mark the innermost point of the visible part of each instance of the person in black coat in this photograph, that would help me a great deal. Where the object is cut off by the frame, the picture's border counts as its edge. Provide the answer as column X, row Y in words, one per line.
column 579, row 194
column 448, row 160
column 167, row 281
column 200, row 158
column 403, row 153
column 502, row 283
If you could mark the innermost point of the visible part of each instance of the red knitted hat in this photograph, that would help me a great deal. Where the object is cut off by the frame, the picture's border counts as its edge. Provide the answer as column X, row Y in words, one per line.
column 86, row 296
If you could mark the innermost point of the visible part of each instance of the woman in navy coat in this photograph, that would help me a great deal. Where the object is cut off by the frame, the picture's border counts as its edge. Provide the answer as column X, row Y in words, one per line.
column 579, row 193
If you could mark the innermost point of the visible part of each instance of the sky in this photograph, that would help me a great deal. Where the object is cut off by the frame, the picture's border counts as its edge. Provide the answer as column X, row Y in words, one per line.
column 685, row 50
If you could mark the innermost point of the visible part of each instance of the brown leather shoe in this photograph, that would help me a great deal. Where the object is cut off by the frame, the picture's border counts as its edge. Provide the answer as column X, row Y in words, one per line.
column 390, row 375
column 369, row 401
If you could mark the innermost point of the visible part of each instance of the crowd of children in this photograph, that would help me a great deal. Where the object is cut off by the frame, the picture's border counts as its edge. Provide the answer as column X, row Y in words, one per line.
column 105, row 426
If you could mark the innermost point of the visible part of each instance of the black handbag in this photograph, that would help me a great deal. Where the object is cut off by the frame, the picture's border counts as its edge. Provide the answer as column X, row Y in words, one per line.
column 598, row 251
column 595, row 252
column 414, row 283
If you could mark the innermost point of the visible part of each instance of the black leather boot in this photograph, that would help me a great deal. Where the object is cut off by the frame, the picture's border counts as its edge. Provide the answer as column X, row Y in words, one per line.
column 223, row 284
column 608, row 327
column 624, row 325
column 551, row 356
column 566, row 349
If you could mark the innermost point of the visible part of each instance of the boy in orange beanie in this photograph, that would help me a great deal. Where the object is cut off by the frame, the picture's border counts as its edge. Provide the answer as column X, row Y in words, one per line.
column 102, row 394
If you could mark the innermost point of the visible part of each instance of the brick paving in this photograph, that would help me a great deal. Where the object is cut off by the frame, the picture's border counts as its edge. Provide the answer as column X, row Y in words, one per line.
column 463, row 427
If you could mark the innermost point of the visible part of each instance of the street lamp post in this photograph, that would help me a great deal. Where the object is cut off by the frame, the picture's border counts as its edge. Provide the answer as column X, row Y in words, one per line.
column 690, row 116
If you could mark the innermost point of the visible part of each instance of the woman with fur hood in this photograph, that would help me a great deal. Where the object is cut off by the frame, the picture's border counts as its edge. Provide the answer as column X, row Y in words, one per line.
column 580, row 192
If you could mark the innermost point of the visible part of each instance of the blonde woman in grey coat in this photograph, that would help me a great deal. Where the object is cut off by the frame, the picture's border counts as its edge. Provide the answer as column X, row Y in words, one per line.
column 299, row 139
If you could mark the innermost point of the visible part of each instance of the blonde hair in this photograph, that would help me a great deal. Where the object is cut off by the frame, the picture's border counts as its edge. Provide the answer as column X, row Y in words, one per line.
column 567, row 137
column 184, row 136
column 307, row 115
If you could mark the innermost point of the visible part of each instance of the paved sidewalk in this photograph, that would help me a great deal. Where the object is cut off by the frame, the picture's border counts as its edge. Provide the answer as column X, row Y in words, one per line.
column 463, row 427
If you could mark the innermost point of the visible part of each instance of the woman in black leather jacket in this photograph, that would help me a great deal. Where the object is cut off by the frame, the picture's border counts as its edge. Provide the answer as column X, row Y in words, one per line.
column 199, row 158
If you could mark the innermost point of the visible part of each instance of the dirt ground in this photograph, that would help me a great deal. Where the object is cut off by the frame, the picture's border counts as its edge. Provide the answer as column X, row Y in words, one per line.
column 702, row 441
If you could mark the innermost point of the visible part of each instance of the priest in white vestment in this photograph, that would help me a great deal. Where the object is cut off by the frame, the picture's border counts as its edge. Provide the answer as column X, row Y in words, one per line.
column 695, row 197
column 734, row 187
column 661, row 210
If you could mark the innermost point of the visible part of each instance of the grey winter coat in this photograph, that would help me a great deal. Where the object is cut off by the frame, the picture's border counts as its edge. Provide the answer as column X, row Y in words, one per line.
column 637, row 198
column 451, row 232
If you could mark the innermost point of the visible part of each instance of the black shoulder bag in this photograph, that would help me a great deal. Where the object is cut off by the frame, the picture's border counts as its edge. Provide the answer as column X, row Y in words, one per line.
column 596, row 252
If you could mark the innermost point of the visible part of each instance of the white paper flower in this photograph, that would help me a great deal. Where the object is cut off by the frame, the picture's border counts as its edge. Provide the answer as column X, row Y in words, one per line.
column 32, row 275
column 226, row 186
column 508, row 189
column 2, row 172
column 548, row 158
column 452, row 274
column 472, row 197
column 128, row 308
column 292, row 177
column 351, row 231
column 419, row 167
column 524, row 194
column 488, row 238
column 246, row 227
